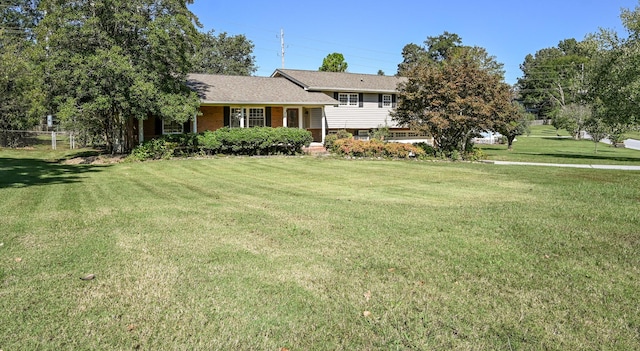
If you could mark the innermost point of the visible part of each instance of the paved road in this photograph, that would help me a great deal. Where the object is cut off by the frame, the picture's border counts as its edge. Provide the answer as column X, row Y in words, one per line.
column 632, row 144
column 629, row 143
column 568, row 165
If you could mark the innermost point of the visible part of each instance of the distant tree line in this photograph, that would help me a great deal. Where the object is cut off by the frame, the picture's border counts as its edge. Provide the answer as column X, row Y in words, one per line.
column 590, row 85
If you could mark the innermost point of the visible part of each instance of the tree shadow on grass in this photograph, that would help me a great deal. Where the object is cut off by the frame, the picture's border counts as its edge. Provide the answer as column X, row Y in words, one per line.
column 558, row 138
column 23, row 172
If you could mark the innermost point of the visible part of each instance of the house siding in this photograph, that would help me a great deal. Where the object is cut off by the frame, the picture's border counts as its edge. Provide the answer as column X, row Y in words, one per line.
column 370, row 115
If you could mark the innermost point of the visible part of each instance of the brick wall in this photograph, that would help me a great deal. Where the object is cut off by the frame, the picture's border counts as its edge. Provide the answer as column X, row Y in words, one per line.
column 212, row 118
column 276, row 116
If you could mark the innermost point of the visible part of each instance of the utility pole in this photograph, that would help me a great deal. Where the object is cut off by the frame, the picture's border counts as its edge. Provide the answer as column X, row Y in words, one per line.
column 282, row 45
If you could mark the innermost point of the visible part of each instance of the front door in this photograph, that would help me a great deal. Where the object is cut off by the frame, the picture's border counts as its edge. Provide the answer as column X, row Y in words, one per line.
column 293, row 118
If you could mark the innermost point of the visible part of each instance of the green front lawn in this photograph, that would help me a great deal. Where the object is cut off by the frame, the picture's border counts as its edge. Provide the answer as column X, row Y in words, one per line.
column 543, row 145
column 316, row 254
column 633, row 135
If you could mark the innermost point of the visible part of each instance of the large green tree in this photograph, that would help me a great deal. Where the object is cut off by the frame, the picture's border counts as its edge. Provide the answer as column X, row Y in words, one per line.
column 224, row 54
column 334, row 63
column 18, row 18
column 614, row 76
column 107, row 62
column 440, row 48
column 454, row 100
column 21, row 93
column 554, row 77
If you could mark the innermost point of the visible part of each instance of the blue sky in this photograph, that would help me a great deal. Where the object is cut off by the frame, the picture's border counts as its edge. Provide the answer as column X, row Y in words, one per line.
column 371, row 34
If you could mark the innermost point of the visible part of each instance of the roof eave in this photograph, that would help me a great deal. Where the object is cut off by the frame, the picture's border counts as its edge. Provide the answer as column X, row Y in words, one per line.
column 293, row 80
column 265, row 103
column 353, row 90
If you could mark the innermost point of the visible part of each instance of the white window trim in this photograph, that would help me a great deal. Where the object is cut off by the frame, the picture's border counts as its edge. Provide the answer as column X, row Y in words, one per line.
column 164, row 132
column 253, row 118
column 245, row 116
column 387, row 100
column 232, row 117
column 352, row 99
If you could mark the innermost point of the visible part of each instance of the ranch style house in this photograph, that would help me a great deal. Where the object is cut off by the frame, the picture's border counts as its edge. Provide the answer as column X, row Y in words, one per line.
column 320, row 102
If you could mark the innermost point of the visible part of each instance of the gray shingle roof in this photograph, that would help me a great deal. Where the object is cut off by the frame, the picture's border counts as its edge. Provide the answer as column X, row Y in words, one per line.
column 220, row 89
column 339, row 81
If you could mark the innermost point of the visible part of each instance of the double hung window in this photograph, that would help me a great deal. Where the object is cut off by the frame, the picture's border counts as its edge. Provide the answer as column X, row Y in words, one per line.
column 253, row 117
column 348, row 99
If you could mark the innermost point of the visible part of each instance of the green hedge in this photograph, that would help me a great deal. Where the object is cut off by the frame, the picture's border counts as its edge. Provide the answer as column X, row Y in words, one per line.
column 254, row 141
column 229, row 141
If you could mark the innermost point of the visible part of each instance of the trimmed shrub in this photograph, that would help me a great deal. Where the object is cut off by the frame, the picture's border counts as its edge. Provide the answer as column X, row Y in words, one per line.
column 254, row 141
column 375, row 148
column 330, row 139
column 229, row 141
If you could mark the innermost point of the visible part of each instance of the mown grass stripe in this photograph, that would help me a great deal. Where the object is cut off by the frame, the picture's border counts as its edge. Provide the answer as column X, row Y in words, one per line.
column 264, row 253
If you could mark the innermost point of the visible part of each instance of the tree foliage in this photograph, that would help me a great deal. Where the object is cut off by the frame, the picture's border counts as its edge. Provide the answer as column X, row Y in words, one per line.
column 597, row 129
column 441, row 48
column 18, row 19
column 554, row 77
column 516, row 125
column 572, row 118
column 224, row 54
column 107, row 62
column 334, row 63
column 21, row 92
column 614, row 76
column 453, row 100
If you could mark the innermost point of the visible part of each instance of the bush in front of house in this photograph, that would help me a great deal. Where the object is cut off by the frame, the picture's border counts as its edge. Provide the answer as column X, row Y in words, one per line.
column 254, row 141
column 227, row 141
column 165, row 147
column 375, row 148
column 154, row 149
column 330, row 139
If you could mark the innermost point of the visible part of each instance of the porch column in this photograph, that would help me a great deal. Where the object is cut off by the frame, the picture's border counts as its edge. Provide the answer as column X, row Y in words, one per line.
column 284, row 117
column 301, row 118
column 140, row 131
column 195, row 123
column 324, row 124
column 242, row 117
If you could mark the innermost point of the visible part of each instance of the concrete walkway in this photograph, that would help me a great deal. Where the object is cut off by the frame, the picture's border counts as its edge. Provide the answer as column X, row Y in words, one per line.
column 568, row 165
